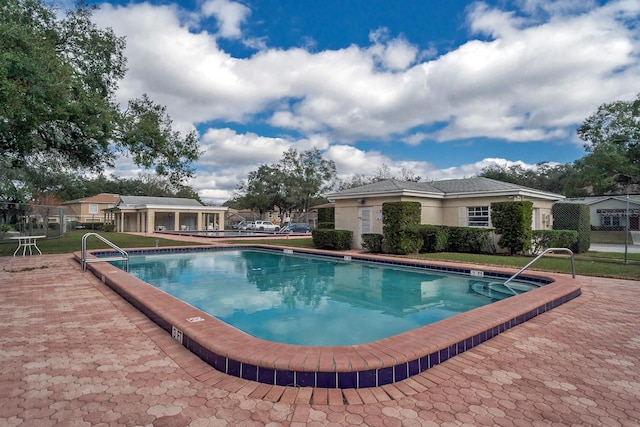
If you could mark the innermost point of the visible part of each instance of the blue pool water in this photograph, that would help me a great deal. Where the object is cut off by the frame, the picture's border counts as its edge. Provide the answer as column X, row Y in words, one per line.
column 308, row 300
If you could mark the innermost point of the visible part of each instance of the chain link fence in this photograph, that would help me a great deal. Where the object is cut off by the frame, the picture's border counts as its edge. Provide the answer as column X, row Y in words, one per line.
column 26, row 219
column 613, row 228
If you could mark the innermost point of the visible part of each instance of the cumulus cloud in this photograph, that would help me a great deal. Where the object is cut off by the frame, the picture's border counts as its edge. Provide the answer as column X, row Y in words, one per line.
column 528, row 74
column 230, row 16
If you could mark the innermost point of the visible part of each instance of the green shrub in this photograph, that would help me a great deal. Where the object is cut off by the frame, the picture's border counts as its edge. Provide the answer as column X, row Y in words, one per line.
column 574, row 216
column 326, row 225
column 372, row 242
column 326, row 215
column 544, row 239
column 469, row 240
column 332, row 239
column 108, row 227
column 434, row 237
column 399, row 217
column 512, row 221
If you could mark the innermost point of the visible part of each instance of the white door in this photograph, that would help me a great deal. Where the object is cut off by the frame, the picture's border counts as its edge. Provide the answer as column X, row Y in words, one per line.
column 365, row 225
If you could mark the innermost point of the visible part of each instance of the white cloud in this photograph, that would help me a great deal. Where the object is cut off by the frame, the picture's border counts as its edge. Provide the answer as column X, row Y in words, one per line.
column 394, row 54
column 230, row 16
column 530, row 75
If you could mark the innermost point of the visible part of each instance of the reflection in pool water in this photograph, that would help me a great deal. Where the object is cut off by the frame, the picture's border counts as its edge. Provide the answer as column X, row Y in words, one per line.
column 308, row 300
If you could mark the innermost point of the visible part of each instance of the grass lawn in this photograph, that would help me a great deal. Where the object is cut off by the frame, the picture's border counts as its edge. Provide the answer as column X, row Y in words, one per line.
column 72, row 242
column 600, row 264
column 609, row 237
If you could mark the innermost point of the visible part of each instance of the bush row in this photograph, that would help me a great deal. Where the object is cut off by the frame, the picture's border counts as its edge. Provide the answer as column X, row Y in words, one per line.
column 325, row 238
column 544, row 239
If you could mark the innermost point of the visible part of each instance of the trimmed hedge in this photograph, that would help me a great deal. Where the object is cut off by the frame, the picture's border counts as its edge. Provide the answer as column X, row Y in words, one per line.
column 545, row 239
column 326, row 215
column 435, row 238
column 399, row 217
column 372, row 242
column 512, row 221
column 326, row 225
column 574, row 216
column 332, row 239
column 442, row 238
column 469, row 240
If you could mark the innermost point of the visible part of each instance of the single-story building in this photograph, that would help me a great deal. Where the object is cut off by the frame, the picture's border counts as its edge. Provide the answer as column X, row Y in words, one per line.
column 149, row 214
column 90, row 209
column 455, row 202
column 611, row 211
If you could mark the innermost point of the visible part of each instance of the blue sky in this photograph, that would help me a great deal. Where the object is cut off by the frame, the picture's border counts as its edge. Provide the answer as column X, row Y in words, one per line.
column 439, row 88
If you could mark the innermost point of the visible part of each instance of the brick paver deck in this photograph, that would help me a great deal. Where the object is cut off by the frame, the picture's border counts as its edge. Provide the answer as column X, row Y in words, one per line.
column 74, row 353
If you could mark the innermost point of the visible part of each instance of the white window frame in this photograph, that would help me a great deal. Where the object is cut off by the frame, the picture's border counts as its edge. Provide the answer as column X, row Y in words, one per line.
column 93, row 208
column 478, row 216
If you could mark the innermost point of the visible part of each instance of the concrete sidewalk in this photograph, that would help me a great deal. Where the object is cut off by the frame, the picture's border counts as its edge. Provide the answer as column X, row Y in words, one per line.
column 73, row 353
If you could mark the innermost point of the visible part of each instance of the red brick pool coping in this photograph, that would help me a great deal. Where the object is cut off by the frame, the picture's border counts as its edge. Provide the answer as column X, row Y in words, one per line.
column 356, row 366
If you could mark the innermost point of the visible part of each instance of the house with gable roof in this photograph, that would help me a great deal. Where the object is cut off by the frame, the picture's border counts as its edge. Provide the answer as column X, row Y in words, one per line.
column 454, row 202
column 90, row 209
column 149, row 214
column 610, row 212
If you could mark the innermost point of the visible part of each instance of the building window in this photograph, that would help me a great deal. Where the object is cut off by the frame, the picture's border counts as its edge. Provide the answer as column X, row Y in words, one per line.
column 93, row 208
column 610, row 221
column 478, row 216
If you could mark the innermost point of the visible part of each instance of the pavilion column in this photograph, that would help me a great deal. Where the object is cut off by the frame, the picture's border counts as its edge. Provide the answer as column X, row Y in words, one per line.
column 151, row 220
column 176, row 221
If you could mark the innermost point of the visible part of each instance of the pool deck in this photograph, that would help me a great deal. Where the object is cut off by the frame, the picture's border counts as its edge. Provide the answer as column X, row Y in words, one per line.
column 74, row 353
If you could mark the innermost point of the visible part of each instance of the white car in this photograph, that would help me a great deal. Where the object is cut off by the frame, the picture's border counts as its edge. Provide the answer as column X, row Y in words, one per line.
column 263, row 226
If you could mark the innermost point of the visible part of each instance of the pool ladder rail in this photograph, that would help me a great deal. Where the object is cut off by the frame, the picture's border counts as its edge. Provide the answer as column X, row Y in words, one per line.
column 123, row 255
column 493, row 289
column 546, row 251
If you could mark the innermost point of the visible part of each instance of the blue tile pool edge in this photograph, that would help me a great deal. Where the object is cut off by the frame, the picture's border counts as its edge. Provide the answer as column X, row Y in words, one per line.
column 333, row 379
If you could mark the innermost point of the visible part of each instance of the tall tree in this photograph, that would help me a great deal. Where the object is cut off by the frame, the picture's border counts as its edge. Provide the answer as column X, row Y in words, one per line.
column 307, row 176
column 261, row 191
column 58, row 78
column 293, row 183
column 546, row 177
column 612, row 140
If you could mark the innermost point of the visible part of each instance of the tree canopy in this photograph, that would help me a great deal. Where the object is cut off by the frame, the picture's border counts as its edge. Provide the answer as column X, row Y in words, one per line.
column 382, row 173
column 612, row 141
column 58, row 78
column 292, row 184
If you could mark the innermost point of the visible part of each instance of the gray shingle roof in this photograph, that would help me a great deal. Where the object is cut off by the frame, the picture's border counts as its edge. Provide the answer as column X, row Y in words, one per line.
column 132, row 201
column 590, row 200
column 475, row 186
column 391, row 185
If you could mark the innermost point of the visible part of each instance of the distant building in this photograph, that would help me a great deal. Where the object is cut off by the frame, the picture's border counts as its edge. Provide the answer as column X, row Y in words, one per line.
column 455, row 202
column 611, row 211
column 149, row 214
column 90, row 209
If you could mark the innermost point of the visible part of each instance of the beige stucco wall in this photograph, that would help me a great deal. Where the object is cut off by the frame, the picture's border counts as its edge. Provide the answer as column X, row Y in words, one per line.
column 434, row 211
column 451, row 210
column 82, row 214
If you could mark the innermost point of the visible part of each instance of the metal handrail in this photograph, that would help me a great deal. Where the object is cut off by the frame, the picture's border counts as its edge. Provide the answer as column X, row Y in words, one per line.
column 124, row 256
column 573, row 267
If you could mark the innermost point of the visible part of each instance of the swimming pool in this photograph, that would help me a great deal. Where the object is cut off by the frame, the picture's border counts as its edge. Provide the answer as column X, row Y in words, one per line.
column 308, row 300
column 377, row 363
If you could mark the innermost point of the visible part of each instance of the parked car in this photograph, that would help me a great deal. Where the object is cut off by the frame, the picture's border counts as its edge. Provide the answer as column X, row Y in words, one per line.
column 242, row 225
column 247, row 226
column 296, row 227
column 263, row 226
